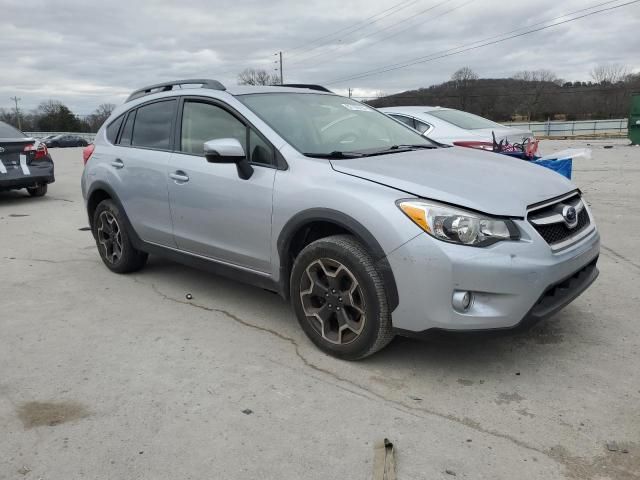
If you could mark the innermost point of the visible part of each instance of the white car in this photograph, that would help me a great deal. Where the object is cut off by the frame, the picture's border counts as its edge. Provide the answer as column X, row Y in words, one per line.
column 447, row 125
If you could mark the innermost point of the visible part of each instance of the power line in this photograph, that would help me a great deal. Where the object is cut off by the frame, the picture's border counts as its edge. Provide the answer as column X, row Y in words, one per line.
column 466, row 47
column 442, row 14
column 365, row 22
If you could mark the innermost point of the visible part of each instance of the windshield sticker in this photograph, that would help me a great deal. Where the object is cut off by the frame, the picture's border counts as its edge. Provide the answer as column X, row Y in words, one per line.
column 361, row 108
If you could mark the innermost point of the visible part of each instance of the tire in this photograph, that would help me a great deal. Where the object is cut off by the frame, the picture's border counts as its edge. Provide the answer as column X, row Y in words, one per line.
column 113, row 241
column 341, row 269
column 38, row 191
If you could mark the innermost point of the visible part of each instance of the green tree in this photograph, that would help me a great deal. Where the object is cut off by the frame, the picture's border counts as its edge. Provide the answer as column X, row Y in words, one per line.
column 54, row 116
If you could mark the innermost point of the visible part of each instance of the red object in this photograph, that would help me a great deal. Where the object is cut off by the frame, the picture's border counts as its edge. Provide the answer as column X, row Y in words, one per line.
column 532, row 148
column 475, row 144
column 40, row 150
column 87, row 152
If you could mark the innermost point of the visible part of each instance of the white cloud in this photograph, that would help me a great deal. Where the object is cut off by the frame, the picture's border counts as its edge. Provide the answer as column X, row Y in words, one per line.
column 87, row 53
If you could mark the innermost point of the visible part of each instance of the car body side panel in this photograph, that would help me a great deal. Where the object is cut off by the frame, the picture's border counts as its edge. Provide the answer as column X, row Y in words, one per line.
column 312, row 184
column 141, row 186
column 219, row 215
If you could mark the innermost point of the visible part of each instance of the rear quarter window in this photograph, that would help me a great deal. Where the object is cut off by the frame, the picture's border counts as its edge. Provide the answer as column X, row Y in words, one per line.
column 114, row 128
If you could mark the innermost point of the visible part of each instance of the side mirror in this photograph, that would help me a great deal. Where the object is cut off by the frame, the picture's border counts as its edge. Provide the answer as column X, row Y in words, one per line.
column 228, row 150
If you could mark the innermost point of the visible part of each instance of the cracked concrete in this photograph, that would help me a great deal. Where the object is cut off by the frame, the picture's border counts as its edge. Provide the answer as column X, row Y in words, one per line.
column 167, row 379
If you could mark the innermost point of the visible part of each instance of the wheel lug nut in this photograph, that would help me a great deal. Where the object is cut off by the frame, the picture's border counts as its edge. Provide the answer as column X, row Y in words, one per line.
column 330, row 306
column 333, row 290
column 340, row 299
column 337, row 308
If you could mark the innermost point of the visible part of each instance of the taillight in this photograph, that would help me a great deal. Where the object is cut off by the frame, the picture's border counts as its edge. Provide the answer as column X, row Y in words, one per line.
column 40, row 151
column 87, row 152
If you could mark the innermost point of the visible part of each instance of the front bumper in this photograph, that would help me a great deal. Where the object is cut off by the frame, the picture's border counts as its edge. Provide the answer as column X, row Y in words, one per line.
column 39, row 172
column 513, row 283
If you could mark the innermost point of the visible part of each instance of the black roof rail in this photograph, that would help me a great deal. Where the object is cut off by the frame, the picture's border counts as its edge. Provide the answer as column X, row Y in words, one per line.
column 310, row 86
column 166, row 86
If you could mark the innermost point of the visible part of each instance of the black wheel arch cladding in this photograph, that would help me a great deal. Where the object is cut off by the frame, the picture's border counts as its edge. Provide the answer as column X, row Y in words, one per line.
column 323, row 215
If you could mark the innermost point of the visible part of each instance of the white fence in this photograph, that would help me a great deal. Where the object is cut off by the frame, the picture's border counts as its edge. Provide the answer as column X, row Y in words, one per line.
column 541, row 129
column 87, row 136
column 576, row 128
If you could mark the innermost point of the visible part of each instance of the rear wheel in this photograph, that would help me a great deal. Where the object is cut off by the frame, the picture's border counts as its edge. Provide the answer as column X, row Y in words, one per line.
column 38, row 190
column 114, row 245
column 339, row 298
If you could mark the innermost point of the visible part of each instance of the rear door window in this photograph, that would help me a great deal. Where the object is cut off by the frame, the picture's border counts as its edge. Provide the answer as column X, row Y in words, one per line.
column 153, row 126
column 406, row 120
column 127, row 131
column 421, row 126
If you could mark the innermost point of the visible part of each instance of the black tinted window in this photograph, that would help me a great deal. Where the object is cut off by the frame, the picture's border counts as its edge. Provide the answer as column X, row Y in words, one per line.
column 125, row 137
column 406, row 120
column 153, row 124
column 422, row 127
column 202, row 122
column 7, row 131
column 259, row 150
column 114, row 128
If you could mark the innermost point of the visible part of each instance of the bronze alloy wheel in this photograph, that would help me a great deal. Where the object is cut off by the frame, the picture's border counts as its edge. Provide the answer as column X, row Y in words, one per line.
column 109, row 236
column 333, row 301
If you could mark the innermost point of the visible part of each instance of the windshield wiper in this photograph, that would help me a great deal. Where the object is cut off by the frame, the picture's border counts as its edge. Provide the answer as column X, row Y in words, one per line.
column 334, row 155
column 409, row 147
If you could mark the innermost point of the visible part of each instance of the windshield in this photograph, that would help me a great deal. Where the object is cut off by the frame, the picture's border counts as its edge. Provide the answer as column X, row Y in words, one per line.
column 7, row 131
column 328, row 124
column 465, row 120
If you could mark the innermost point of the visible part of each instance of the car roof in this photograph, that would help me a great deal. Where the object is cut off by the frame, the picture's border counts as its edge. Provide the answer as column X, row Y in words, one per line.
column 249, row 89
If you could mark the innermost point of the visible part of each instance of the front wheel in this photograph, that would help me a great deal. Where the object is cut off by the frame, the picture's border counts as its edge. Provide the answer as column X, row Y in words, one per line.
column 339, row 298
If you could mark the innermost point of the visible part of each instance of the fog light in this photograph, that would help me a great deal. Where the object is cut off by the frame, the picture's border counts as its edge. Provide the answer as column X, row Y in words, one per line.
column 462, row 300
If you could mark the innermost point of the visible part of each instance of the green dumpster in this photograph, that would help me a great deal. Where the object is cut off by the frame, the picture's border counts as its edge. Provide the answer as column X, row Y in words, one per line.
column 634, row 119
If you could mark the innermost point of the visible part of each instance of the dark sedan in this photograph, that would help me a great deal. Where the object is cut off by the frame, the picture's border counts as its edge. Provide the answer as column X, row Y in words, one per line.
column 65, row 140
column 24, row 162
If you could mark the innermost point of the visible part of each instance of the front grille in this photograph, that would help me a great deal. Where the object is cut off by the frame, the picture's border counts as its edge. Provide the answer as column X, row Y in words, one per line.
column 551, row 225
column 557, row 232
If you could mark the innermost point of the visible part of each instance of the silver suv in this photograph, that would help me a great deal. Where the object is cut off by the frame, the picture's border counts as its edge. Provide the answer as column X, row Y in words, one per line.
column 368, row 228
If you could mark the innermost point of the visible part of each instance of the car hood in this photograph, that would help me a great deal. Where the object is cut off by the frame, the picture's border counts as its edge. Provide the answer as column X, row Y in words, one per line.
column 483, row 181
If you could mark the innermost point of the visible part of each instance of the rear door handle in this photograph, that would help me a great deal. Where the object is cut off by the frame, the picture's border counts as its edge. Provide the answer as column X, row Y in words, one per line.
column 117, row 163
column 179, row 176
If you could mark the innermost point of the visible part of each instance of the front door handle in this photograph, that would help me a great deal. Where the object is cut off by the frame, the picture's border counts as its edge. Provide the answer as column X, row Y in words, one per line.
column 117, row 163
column 179, row 176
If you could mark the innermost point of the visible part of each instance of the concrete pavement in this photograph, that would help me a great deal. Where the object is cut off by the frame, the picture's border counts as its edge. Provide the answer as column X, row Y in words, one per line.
column 108, row 376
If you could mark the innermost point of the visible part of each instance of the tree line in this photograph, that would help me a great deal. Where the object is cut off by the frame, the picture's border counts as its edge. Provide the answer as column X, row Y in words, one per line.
column 55, row 116
column 535, row 95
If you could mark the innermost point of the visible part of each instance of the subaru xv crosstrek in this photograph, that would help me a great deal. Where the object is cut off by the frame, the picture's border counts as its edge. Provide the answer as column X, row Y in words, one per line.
column 368, row 228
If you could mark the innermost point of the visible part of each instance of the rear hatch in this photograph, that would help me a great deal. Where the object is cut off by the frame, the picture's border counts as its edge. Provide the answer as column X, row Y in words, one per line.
column 12, row 149
column 13, row 155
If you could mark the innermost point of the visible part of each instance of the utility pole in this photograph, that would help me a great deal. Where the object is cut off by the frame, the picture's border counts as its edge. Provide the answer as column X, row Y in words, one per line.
column 281, row 77
column 350, row 92
column 16, row 99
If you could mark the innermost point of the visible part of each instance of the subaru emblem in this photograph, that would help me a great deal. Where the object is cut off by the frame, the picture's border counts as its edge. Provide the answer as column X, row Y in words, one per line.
column 1, row 149
column 570, row 216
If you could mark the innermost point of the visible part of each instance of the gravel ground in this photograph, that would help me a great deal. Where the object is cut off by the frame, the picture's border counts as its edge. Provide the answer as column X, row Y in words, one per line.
column 107, row 376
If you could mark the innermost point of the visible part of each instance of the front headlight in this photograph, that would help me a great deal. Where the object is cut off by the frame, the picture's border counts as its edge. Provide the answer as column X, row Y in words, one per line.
column 455, row 225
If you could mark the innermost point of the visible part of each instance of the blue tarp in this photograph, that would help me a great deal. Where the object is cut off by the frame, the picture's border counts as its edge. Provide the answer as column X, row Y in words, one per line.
column 563, row 167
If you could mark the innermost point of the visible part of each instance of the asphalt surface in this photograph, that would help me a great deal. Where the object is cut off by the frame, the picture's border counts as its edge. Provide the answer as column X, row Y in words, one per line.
column 121, row 377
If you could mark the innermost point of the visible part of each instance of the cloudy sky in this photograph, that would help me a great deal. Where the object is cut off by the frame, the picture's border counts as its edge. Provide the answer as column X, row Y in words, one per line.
column 85, row 53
